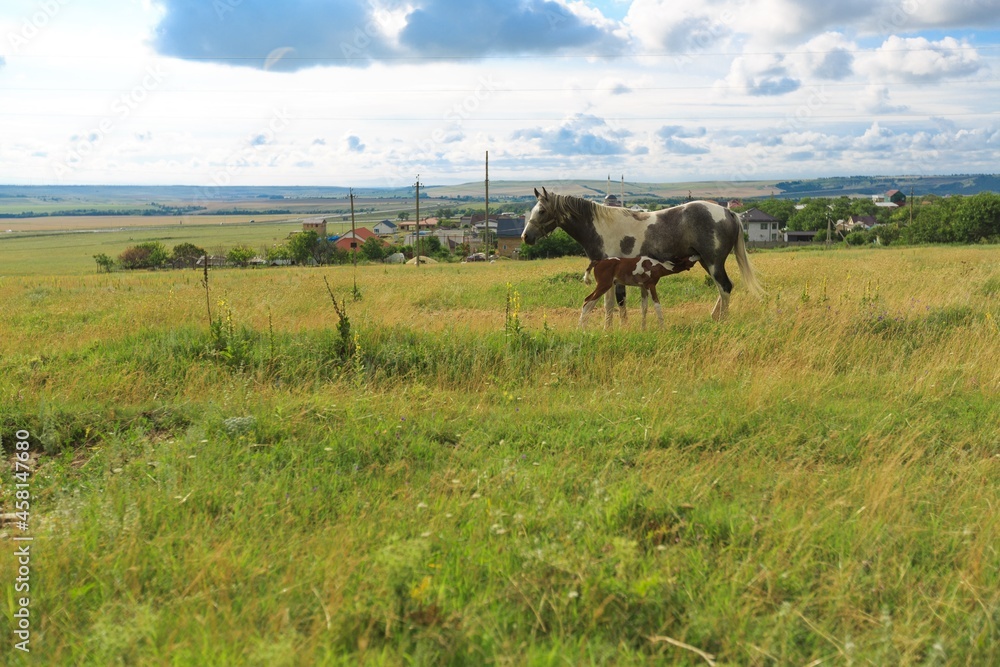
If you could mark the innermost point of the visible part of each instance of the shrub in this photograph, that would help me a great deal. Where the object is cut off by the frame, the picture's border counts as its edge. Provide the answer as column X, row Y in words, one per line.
column 556, row 244
column 240, row 255
column 148, row 255
column 187, row 254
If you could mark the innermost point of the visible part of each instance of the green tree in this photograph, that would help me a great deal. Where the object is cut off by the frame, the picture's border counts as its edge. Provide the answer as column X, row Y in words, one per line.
column 556, row 244
column 430, row 245
column 277, row 252
column 147, row 255
column 863, row 206
column 403, row 215
column 240, row 255
column 104, row 263
column 302, row 245
column 187, row 254
column 812, row 216
column 977, row 218
column 780, row 209
column 373, row 249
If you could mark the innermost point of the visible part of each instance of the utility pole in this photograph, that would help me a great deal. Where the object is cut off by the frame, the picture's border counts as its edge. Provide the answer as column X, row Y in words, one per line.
column 417, row 242
column 623, row 190
column 353, row 234
column 487, row 236
column 829, row 231
column 354, row 255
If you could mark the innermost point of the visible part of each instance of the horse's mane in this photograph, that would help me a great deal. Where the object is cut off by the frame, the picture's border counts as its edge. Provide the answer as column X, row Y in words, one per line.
column 568, row 206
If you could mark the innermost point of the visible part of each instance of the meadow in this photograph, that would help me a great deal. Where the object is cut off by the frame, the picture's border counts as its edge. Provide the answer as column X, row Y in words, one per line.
column 448, row 472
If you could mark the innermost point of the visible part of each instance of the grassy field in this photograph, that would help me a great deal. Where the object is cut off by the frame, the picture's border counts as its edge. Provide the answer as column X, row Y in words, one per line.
column 72, row 253
column 452, row 473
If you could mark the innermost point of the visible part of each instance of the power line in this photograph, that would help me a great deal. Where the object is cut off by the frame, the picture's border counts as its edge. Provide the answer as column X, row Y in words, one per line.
column 395, row 92
column 936, row 48
column 497, row 119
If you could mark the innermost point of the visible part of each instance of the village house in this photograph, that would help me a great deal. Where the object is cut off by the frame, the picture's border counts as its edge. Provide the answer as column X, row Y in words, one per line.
column 317, row 225
column 354, row 240
column 799, row 236
column 426, row 223
column 891, row 199
column 761, row 227
column 386, row 228
column 450, row 238
column 509, row 231
column 856, row 222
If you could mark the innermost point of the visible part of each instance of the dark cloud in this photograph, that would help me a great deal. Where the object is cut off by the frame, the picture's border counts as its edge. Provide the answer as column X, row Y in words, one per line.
column 305, row 33
column 270, row 35
column 467, row 29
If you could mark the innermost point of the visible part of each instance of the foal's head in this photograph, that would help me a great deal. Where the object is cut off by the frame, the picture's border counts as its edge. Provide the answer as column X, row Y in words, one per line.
column 543, row 219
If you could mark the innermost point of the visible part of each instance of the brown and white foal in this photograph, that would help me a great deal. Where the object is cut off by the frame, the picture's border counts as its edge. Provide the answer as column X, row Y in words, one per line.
column 642, row 272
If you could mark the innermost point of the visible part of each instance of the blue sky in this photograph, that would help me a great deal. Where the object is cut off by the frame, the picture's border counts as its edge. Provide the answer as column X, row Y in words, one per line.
column 374, row 92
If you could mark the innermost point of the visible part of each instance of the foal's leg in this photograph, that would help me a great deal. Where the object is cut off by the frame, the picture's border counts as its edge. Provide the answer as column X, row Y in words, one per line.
column 591, row 301
column 620, row 297
column 609, row 308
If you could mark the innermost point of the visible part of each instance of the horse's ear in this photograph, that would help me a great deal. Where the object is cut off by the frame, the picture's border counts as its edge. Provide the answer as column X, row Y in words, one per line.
column 538, row 196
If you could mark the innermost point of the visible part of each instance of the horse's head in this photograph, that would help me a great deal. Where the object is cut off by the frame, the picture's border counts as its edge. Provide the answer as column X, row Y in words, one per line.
column 542, row 220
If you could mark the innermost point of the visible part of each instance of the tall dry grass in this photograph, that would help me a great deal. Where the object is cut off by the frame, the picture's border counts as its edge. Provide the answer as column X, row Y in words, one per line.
column 812, row 480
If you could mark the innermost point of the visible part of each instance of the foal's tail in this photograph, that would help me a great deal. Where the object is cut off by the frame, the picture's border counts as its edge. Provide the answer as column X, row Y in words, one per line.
column 586, row 274
column 746, row 270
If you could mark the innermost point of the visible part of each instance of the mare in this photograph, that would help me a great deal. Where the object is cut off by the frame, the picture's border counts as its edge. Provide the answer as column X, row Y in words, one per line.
column 701, row 228
column 641, row 272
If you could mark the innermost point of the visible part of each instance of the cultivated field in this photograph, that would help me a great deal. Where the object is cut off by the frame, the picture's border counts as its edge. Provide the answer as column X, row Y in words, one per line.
column 452, row 473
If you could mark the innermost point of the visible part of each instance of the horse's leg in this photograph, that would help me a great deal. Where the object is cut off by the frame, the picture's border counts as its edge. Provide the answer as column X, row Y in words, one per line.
column 609, row 308
column 645, row 304
column 620, row 297
column 656, row 303
column 725, row 285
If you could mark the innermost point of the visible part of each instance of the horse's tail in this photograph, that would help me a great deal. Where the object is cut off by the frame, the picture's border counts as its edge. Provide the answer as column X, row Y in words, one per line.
column 746, row 269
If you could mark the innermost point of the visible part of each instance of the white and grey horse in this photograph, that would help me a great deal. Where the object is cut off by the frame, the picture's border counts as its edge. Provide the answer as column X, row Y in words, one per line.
column 699, row 228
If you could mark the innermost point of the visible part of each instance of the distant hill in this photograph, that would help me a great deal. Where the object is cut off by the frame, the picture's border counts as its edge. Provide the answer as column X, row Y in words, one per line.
column 960, row 184
column 16, row 198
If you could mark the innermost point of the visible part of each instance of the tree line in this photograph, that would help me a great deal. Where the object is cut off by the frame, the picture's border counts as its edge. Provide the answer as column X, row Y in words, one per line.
column 302, row 248
column 927, row 219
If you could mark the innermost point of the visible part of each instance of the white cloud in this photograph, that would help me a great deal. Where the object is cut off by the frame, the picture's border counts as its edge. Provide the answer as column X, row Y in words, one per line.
column 784, row 87
column 761, row 75
column 875, row 100
column 917, row 59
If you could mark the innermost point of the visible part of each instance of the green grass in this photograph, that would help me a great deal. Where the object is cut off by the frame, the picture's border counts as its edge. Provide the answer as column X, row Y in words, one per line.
column 71, row 252
column 813, row 480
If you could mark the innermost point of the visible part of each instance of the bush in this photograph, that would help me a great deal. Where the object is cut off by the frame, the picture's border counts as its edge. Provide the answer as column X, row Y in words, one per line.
column 148, row 255
column 104, row 263
column 556, row 244
column 187, row 254
column 240, row 255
